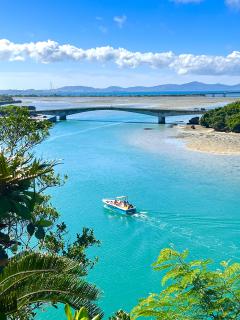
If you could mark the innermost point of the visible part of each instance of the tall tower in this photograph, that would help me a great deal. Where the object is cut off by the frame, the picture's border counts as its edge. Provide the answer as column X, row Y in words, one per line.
column 51, row 86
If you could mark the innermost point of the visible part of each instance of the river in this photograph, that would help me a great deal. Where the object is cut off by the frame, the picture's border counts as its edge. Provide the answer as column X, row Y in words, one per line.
column 185, row 199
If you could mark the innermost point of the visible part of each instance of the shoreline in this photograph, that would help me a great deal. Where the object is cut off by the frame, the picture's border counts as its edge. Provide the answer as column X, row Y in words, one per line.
column 163, row 102
column 208, row 140
column 200, row 140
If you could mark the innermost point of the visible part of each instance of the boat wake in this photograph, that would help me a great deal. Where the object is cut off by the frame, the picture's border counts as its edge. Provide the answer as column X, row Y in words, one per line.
column 151, row 221
column 82, row 131
column 172, row 224
column 141, row 214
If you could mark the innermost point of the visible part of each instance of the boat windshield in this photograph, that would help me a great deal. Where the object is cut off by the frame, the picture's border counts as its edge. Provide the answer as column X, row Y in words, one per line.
column 122, row 198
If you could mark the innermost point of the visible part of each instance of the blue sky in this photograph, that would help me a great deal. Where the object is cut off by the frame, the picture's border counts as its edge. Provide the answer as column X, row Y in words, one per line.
column 161, row 41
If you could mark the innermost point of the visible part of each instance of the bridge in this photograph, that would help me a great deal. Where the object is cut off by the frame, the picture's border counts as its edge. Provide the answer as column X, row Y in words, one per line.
column 161, row 114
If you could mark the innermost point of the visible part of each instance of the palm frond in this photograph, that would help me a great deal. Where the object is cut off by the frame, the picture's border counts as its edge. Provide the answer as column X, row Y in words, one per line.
column 33, row 277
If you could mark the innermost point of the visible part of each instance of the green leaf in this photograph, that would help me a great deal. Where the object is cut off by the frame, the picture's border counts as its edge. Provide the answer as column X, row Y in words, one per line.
column 21, row 210
column 162, row 267
column 29, row 277
column 3, row 254
column 40, row 233
column 3, row 316
column 82, row 313
column 30, row 229
column 44, row 223
column 68, row 312
column 14, row 248
column 5, row 205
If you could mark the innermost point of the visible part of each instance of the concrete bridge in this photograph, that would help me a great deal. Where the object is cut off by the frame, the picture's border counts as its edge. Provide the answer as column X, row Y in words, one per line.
column 161, row 114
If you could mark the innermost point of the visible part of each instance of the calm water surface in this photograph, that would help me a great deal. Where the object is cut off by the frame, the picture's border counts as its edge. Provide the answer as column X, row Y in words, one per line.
column 184, row 198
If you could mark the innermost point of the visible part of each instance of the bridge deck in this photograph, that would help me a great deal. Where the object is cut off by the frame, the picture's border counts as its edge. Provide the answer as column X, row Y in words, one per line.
column 157, row 112
column 144, row 110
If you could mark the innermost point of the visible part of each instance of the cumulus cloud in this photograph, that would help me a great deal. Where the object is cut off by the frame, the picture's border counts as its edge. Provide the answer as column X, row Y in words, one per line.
column 233, row 3
column 120, row 20
column 51, row 51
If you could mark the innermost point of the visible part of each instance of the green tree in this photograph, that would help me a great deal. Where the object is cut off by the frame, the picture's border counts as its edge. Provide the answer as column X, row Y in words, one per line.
column 24, row 209
column 223, row 119
column 31, row 278
column 27, row 218
column 233, row 123
column 195, row 291
column 28, row 221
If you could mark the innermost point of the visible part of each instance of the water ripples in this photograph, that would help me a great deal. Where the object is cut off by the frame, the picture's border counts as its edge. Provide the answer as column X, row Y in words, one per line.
column 184, row 226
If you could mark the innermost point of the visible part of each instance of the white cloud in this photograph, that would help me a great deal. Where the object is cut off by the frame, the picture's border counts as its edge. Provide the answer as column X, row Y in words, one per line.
column 103, row 29
column 233, row 3
column 120, row 20
column 51, row 51
column 101, row 26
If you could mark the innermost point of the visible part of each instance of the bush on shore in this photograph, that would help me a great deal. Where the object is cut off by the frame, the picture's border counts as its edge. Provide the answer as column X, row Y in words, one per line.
column 223, row 119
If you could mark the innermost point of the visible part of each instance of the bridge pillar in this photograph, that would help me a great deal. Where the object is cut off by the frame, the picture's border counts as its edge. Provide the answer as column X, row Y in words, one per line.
column 53, row 119
column 161, row 119
column 62, row 117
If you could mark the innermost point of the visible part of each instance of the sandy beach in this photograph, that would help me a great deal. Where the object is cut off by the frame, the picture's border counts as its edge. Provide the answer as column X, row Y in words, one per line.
column 160, row 102
column 208, row 140
column 199, row 140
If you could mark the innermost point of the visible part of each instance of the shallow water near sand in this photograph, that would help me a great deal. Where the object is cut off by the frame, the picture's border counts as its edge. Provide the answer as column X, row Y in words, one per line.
column 184, row 198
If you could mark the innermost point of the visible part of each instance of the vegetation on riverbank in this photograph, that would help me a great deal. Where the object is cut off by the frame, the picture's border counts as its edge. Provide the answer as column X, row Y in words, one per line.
column 223, row 119
column 6, row 98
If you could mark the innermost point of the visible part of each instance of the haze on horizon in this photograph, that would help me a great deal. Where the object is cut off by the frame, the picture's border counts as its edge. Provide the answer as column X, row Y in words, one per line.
column 121, row 43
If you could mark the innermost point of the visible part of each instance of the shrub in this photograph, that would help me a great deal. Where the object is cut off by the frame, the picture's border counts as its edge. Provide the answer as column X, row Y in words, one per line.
column 224, row 118
column 193, row 290
column 233, row 123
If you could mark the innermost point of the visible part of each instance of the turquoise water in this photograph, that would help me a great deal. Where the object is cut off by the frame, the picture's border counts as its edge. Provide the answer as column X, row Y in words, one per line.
column 184, row 198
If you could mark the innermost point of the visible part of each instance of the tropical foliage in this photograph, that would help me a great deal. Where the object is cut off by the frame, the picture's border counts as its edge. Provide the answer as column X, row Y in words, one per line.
column 223, row 119
column 28, row 222
column 34, row 278
column 23, row 178
column 81, row 314
column 195, row 291
column 120, row 315
column 27, row 218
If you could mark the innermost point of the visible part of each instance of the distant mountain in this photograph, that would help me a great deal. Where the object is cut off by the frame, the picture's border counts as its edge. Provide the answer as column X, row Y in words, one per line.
column 191, row 86
column 164, row 88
